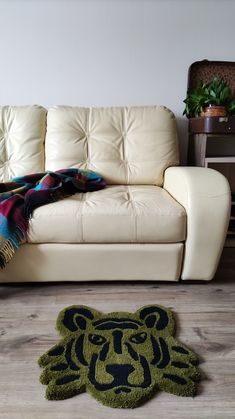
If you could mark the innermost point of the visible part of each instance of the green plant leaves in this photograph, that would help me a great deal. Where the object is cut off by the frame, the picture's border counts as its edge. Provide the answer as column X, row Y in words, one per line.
column 216, row 92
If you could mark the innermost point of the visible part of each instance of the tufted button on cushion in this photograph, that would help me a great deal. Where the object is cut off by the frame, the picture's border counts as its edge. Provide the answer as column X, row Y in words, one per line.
column 22, row 134
column 143, row 214
column 125, row 145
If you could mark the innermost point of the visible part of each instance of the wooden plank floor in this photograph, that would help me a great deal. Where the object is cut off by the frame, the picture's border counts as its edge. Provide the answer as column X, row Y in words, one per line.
column 206, row 322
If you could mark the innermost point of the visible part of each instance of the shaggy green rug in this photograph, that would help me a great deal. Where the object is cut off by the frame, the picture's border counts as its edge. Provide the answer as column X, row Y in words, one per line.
column 120, row 358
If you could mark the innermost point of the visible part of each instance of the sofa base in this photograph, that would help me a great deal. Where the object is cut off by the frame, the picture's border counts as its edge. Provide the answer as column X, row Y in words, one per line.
column 94, row 262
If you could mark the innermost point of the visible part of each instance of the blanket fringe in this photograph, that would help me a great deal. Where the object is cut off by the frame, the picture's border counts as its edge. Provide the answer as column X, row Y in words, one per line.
column 10, row 245
column 6, row 253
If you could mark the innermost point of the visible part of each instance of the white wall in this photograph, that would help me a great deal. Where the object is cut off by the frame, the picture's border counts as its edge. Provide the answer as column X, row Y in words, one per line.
column 109, row 52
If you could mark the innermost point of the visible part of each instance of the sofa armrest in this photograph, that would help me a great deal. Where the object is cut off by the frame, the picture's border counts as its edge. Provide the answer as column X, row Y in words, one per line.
column 205, row 194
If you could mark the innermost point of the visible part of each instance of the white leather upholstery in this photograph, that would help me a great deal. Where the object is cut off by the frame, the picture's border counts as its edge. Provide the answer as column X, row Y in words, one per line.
column 132, row 214
column 22, row 134
column 205, row 195
column 82, row 262
column 125, row 145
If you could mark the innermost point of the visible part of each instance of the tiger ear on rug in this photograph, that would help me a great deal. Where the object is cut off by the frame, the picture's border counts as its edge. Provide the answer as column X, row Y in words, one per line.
column 74, row 319
column 157, row 318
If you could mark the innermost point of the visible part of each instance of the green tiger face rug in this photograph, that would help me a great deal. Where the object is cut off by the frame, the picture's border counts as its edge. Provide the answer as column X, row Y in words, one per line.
column 120, row 358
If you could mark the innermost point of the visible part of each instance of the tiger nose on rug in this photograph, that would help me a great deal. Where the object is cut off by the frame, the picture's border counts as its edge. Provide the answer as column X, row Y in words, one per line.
column 120, row 373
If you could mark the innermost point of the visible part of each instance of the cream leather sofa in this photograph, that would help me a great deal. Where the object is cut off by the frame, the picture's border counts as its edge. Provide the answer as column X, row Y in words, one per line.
column 154, row 221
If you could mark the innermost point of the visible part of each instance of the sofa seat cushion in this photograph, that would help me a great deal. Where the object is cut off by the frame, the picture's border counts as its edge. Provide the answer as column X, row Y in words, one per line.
column 116, row 214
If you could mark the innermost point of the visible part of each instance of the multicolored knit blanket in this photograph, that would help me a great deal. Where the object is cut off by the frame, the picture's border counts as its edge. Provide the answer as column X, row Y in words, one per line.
column 22, row 195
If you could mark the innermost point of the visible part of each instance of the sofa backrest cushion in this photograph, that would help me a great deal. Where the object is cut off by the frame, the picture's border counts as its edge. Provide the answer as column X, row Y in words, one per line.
column 126, row 145
column 22, row 135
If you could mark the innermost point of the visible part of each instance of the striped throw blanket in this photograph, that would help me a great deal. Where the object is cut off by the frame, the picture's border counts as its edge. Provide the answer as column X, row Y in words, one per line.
column 19, row 197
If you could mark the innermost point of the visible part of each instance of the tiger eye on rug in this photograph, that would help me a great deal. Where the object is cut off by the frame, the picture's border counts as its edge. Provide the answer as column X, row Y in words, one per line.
column 120, row 358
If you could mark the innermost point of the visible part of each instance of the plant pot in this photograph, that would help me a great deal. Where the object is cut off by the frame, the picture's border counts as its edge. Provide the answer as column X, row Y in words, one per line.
column 214, row 110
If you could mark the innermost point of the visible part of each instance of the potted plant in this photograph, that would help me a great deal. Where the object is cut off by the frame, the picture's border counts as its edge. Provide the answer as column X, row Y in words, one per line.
column 210, row 99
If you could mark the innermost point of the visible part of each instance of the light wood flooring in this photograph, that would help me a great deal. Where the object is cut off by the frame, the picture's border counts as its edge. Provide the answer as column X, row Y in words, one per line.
column 205, row 315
